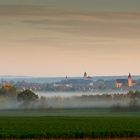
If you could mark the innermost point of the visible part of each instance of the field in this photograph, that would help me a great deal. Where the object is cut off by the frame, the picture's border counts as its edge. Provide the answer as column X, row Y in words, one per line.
column 69, row 123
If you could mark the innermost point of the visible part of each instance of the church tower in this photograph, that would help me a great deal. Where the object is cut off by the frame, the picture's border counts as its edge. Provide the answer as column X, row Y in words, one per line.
column 85, row 75
column 130, row 81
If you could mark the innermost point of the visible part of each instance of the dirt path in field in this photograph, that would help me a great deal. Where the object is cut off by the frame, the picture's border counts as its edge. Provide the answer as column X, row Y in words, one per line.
column 96, row 139
column 91, row 139
column 81, row 139
column 106, row 139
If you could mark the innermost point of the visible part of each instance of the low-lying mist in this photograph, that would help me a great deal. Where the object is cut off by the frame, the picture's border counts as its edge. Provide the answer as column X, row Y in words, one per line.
column 83, row 101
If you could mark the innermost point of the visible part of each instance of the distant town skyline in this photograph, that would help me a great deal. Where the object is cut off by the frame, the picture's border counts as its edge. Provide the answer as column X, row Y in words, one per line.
column 55, row 38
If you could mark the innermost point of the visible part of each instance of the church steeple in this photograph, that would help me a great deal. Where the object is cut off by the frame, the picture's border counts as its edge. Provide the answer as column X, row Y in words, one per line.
column 85, row 75
column 130, row 81
column 129, row 76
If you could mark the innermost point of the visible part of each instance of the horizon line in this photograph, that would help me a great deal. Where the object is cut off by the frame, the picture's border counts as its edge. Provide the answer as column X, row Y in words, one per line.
column 33, row 76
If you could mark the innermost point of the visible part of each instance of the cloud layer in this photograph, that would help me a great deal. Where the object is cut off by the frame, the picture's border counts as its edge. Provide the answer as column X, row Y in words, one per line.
column 58, row 35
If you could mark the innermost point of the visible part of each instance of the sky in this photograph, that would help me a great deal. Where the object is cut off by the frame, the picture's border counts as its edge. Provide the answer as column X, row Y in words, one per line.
column 68, row 37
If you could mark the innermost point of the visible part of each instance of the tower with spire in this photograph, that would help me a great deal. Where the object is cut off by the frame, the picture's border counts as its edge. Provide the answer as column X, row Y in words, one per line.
column 130, row 81
column 85, row 75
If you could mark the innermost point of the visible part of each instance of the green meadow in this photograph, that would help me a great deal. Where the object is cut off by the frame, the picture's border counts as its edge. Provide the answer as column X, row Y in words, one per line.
column 69, row 123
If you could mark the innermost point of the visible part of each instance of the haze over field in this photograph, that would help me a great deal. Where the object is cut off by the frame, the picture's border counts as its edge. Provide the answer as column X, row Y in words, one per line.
column 68, row 37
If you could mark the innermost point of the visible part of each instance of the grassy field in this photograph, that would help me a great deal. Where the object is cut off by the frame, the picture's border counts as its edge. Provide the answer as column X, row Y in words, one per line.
column 69, row 123
column 84, row 112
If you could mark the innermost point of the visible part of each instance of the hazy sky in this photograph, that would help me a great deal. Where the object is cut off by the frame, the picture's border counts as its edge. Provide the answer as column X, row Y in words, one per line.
column 68, row 37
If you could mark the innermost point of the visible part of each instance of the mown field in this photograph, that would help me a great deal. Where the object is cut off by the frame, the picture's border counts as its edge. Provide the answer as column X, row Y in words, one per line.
column 22, row 124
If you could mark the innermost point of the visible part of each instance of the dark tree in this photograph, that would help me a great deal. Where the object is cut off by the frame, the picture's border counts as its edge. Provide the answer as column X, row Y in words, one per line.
column 27, row 96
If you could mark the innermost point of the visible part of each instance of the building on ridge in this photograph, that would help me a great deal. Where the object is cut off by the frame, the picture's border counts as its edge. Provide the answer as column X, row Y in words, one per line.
column 86, row 76
column 125, row 82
